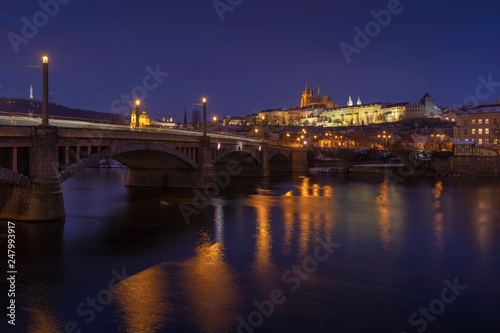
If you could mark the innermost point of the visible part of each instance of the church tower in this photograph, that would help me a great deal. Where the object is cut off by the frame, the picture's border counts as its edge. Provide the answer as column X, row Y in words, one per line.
column 306, row 95
column 134, row 119
column 359, row 101
column 349, row 102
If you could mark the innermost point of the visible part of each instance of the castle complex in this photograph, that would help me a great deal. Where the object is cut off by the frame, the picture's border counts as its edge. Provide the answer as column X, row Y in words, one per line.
column 322, row 111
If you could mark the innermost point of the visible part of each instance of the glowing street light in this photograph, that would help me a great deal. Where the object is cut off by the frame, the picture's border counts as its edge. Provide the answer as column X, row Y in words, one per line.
column 45, row 100
column 204, row 116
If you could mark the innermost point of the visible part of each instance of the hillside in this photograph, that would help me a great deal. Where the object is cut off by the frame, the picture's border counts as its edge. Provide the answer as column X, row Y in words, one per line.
column 21, row 107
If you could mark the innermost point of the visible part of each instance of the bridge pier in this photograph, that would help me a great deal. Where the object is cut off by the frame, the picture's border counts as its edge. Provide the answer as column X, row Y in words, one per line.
column 299, row 161
column 266, row 171
column 43, row 201
column 204, row 158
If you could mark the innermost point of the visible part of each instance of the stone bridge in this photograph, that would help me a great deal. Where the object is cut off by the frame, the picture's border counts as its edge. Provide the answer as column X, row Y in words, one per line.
column 35, row 160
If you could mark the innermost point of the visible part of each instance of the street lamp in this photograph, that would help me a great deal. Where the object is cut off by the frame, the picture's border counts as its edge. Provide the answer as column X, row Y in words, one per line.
column 45, row 100
column 204, row 116
column 215, row 124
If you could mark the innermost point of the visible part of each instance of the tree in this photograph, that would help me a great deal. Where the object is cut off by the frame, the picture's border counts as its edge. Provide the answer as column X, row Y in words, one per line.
column 195, row 117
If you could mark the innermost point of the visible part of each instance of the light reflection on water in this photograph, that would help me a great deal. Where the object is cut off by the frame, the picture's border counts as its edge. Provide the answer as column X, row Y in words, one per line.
column 398, row 242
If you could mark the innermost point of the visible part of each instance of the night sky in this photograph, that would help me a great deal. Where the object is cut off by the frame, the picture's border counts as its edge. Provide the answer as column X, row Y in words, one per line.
column 258, row 57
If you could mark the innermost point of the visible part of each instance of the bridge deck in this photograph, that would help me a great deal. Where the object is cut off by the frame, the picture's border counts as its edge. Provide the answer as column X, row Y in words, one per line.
column 19, row 126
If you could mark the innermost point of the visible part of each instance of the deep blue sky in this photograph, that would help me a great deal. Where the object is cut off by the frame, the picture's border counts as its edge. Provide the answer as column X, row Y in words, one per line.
column 258, row 57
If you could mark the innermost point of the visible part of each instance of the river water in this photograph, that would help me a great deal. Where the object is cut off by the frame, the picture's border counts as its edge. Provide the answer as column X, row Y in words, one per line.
column 330, row 253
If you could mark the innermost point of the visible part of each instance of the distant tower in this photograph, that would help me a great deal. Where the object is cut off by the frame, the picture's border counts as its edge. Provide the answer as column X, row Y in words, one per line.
column 319, row 95
column 359, row 101
column 349, row 102
column 30, row 112
column 428, row 102
column 306, row 95
column 185, row 118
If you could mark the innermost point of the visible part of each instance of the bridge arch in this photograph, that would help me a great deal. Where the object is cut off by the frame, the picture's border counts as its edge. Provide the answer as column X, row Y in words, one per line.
column 120, row 153
column 278, row 154
column 228, row 152
column 14, row 178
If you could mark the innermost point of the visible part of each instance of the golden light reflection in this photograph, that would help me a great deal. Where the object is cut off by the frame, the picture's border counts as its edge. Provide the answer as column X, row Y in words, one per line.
column 143, row 300
column 305, row 233
column 383, row 206
column 263, row 236
column 436, row 192
column 484, row 219
column 438, row 219
column 438, row 231
column 211, row 288
column 304, row 187
column 42, row 318
column 313, row 209
column 328, row 191
column 289, row 227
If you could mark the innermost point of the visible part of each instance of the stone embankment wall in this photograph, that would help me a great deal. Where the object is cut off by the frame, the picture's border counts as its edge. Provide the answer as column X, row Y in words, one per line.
column 467, row 166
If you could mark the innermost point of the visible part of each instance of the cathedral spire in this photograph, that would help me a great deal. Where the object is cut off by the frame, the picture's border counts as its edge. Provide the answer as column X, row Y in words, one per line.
column 319, row 95
column 359, row 101
column 349, row 102
column 307, row 86
column 185, row 117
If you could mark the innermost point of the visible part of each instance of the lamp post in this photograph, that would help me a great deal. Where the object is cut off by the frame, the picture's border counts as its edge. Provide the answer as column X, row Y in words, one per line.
column 45, row 101
column 136, row 122
column 287, row 135
column 215, row 124
column 204, row 117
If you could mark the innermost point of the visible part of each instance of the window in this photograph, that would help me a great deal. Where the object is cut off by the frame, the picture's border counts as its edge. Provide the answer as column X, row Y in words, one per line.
column 465, row 122
column 495, row 121
column 487, row 121
column 465, row 132
column 480, row 121
column 486, row 131
column 495, row 141
column 480, row 141
column 473, row 131
column 486, row 140
column 480, row 131
column 473, row 121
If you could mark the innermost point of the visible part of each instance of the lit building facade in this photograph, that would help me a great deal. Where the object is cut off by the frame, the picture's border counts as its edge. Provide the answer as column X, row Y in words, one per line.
column 354, row 115
column 480, row 125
